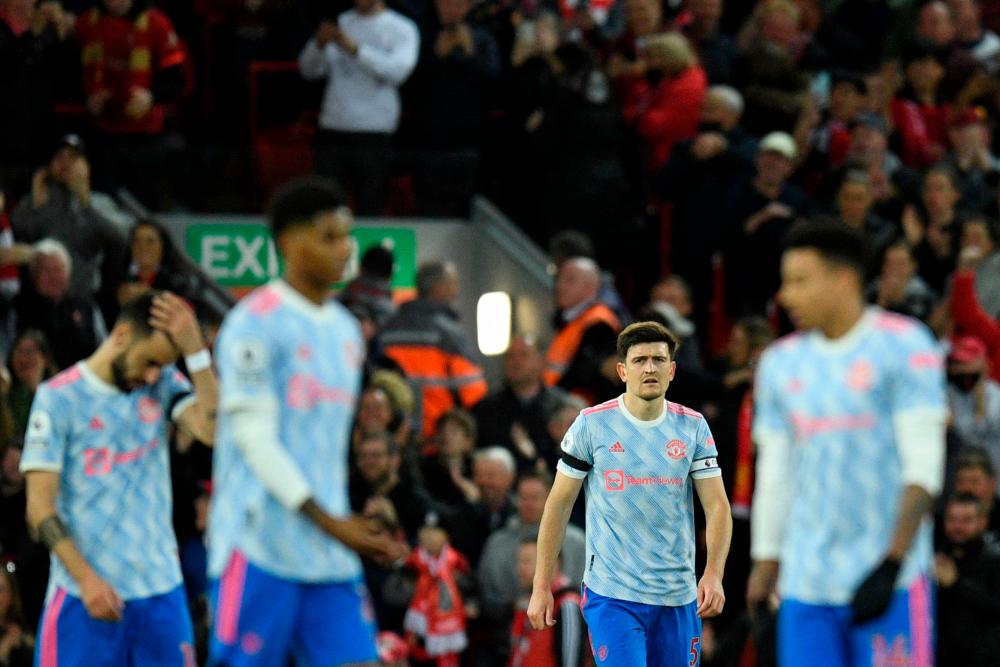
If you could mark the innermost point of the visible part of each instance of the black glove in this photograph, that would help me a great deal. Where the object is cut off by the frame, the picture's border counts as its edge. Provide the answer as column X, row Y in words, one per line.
column 873, row 596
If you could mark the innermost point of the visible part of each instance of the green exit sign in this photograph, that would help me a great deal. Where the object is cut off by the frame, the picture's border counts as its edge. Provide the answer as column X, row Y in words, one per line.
column 242, row 256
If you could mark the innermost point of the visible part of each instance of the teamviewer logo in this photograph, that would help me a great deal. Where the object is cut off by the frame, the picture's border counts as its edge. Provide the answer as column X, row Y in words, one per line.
column 614, row 480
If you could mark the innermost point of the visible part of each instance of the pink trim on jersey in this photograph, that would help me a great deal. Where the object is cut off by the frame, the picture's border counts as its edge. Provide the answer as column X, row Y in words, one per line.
column 893, row 322
column 930, row 360
column 230, row 599
column 67, row 377
column 921, row 651
column 266, row 300
column 678, row 409
column 606, row 405
column 49, row 649
column 789, row 340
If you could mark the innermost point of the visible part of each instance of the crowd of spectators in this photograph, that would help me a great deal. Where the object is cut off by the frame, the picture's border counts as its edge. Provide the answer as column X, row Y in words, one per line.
column 660, row 149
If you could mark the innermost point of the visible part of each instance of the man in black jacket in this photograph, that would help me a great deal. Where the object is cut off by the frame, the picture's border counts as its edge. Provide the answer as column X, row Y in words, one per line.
column 968, row 574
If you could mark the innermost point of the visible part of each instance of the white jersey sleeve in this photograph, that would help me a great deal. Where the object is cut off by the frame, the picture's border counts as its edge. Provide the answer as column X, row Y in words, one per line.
column 772, row 495
column 706, row 457
column 577, row 452
column 47, row 436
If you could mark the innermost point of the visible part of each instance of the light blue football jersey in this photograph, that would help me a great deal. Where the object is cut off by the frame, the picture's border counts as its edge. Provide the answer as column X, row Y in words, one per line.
column 275, row 346
column 640, row 508
column 111, row 450
column 835, row 401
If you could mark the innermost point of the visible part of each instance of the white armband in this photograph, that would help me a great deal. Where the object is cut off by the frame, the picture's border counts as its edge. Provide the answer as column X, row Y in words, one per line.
column 255, row 429
column 199, row 361
column 920, row 441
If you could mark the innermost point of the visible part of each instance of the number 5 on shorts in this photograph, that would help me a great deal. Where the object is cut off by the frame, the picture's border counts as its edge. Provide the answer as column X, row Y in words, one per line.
column 694, row 651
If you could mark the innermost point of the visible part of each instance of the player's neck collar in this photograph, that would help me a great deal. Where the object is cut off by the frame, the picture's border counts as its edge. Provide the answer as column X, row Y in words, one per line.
column 95, row 382
column 640, row 422
column 294, row 299
column 849, row 339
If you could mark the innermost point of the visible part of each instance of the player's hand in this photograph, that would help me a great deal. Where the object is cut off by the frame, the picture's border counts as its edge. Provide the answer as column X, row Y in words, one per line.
column 100, row 599
column 873, row 596
column 358, row 534
column 762, row 582
column 540, row 609
column 711, row 597
column 174, row 317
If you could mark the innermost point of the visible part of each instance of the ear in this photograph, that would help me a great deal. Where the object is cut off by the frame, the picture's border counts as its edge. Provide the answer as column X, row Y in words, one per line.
column 673, row 370
column 620, row 367
column 121, row 335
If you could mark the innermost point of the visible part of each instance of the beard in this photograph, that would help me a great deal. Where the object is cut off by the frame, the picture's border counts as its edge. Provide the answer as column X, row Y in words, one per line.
column 118, row 374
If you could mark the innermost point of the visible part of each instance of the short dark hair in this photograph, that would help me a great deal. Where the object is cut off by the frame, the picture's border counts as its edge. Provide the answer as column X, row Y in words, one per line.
column 967, row 499
column 835, row 242
column 136, row 311
column 645, row 332
column 377, row 261
column 430, row 274
column 853, row 79
column 299, row 201
column 976, row 458
column 462, row 419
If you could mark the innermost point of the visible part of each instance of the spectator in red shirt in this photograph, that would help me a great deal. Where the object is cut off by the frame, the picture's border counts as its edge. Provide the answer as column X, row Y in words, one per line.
column 627, row 61
column 133, row 67
column 668, row 109
column 918, row 113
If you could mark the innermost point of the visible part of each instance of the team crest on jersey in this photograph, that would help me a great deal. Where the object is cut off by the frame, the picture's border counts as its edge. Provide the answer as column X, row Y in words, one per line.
column 861, row 376
column 149, row 410
column 676, row 450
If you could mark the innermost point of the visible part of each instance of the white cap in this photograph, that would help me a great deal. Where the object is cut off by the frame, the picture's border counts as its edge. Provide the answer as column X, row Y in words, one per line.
column 779, row 142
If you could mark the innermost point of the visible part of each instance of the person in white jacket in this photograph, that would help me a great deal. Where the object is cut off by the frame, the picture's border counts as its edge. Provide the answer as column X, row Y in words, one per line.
column 365, row 55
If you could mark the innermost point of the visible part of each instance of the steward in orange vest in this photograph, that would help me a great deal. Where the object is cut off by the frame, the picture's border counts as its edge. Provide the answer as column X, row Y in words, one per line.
column 581, row 345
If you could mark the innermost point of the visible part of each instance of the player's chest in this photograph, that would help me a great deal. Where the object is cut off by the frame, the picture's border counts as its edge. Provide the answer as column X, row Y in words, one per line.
column 654, row 461
column 117, row 432
column 317, row 374
column 855, row 387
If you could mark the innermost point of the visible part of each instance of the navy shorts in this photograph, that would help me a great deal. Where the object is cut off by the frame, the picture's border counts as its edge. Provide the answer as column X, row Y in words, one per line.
column 901, row 636
column 260, row 620
column 154, row 632
column 631, row 634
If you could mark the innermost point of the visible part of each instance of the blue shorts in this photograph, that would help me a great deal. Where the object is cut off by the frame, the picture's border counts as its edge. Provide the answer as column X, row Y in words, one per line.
column 262, row 620
column 631, row 634
column 154, row 632
column 902, row 636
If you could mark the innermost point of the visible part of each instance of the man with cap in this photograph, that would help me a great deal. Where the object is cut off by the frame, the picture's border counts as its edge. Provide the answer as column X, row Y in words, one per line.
column 760, row 210
column 971, row 158
column 63, row 207
column 973, row 396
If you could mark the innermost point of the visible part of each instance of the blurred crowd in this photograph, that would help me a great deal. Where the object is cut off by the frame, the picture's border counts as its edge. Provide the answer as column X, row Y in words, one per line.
column 659, row 149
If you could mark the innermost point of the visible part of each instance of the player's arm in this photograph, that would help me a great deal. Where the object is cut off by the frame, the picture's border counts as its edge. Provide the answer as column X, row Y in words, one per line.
column 551, row 532
column 718, row 533
column 919, row 422
column 772, row 498
column 99, row 598
column 171, row 315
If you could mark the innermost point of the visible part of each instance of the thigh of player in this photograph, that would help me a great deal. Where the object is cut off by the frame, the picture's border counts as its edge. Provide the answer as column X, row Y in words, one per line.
column 69, row 637
column 806, row 631
column 161, row 632
column 335, row 625
column 903, row 635
column 253, row 616
column 617, row 629
column 675, row 638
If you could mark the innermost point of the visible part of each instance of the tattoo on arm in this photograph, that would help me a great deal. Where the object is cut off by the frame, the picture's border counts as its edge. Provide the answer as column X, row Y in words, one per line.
column 52, row 531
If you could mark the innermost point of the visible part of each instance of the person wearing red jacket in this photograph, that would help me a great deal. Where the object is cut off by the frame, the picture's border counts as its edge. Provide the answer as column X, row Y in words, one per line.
column 966, row 312
column 133, row 67
column 918, row 114
column 666, row 107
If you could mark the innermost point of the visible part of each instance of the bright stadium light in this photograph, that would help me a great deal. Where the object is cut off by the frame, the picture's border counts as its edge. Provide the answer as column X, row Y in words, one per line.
column 493, row 323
